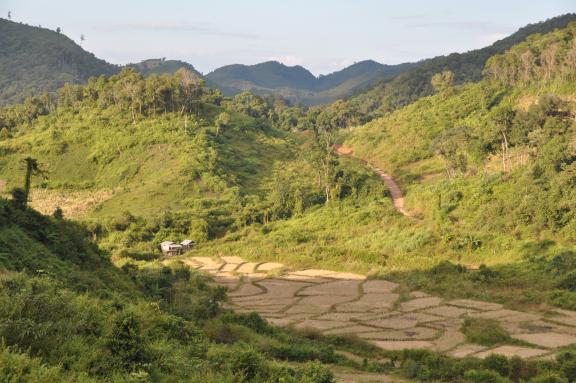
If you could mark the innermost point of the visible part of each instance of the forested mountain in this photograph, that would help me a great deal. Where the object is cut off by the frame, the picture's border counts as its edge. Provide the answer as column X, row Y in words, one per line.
column 162, row 66
column 34, row 60
column 362, row 73
column 412, row 84
column 268, row 75
column 488, row 169
column 297, row 84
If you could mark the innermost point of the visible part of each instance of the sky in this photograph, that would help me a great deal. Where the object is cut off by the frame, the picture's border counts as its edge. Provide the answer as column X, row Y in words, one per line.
column 321, row 35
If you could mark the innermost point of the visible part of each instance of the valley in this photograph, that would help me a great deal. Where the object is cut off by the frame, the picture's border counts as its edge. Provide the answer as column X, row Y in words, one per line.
column 412, row 222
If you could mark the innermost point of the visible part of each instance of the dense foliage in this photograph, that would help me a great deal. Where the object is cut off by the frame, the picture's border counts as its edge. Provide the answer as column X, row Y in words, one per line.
column 68, row 314
column 35, row 60
column 162, row 66
column 414, row 83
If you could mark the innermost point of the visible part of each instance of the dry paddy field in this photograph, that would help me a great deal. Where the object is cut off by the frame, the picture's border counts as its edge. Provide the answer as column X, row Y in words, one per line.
column 336, row 303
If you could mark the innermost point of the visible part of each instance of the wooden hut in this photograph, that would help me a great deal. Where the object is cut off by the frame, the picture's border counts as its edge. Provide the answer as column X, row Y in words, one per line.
column 170, row 248
column 188, row 244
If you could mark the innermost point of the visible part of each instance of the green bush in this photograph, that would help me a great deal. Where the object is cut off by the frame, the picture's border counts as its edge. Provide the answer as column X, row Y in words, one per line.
column 314, row 372
column 483, row 376
column 482, row 331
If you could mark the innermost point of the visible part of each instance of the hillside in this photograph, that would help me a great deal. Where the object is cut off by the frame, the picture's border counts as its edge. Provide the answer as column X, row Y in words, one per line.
column 414, row 83
column 471, row 202
column 162, row 66
column 488, row 169
column 69, row 315
column 168, row 144
column 297, row 84
column 35, row 60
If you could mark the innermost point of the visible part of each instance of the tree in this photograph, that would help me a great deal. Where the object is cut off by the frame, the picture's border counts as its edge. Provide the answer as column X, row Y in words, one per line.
column 126, row 343
column 58, row 214
column 222, row 121
column 503, row 122
column 570, row 61
column 442, row 81
column 528, row 62
column 58, row 30
column 9, row 15
column 322, row 157
column 451, row 145
column 82, row 38
column 548, row 60
column 32, row 168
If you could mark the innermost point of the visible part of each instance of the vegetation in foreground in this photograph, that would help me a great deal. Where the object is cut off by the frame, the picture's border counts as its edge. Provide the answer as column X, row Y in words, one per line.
column 68, row 314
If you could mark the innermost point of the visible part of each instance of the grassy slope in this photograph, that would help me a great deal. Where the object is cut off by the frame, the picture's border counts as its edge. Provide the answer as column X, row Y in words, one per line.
column 517, row 222
column 68, row 314
column 153, row 158
column 414, row 83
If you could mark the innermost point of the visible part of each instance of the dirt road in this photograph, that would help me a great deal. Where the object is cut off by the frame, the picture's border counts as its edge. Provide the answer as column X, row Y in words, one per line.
column 395, row 192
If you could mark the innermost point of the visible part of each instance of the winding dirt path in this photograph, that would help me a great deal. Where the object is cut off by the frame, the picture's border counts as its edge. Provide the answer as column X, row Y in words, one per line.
column 395, row 192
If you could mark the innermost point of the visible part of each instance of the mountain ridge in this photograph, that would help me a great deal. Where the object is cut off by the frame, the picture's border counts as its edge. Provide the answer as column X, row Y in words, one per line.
column 414, row 83
column 297, row 83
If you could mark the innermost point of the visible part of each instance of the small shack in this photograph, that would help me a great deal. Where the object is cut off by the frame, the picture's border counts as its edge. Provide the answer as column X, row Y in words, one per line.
column 188, row 244
column 170, row 248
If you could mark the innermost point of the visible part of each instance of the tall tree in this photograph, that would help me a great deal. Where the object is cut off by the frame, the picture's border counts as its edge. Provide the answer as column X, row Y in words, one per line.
column 32, row 168
column 443, row 80
column 222, row 121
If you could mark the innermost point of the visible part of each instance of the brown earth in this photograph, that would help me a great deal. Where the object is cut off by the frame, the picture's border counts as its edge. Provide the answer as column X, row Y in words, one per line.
column 335, row 303
column 395, row 192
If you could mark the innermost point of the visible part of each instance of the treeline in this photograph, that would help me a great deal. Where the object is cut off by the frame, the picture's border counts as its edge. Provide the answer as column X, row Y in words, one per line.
column 541, row 58
column 415, row 83
column 34, row 60
column 129, row 90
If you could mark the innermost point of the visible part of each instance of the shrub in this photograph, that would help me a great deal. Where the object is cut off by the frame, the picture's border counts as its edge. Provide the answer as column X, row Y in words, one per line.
column 483, row 376
column 447, row 267
column 314, row 372
column 568, row 282
column 549, row 377
column 220, row 332
column 497, row 363
column 486, row 332
column 247, row 364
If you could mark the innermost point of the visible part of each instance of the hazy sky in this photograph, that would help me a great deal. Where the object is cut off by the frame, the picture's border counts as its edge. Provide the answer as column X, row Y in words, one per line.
column 321, row 35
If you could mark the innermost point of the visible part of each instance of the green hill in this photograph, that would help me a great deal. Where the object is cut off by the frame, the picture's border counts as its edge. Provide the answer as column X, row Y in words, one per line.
column 162, row 66
column 35, row 60
column 488, row 169
column 414, row 83
column 137, row 138
column 297, row 84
